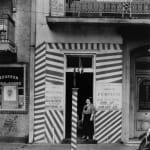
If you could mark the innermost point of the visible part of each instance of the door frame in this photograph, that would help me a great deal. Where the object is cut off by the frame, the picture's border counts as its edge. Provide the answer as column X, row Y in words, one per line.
column 93, row 70
column 127, row 100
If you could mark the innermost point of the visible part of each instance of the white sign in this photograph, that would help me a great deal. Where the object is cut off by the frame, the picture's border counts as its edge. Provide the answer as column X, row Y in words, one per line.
column 108, row 96
column 57, row 7
column 54, row 96
column 10, row 93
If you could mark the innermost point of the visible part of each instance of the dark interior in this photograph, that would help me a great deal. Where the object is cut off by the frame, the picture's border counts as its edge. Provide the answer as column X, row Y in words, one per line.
column 84, row 83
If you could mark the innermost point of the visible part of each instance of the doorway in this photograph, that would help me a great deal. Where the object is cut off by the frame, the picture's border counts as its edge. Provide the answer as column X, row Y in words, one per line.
column 84, row 83
column 81, row 66
column 140, row 92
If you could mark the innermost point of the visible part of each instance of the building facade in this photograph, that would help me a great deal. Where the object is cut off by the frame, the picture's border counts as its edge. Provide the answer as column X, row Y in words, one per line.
column 15, row 41
column 105, row 44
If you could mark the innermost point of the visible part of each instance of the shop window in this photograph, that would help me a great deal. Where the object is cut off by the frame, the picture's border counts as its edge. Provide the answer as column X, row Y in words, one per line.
column 12, row 88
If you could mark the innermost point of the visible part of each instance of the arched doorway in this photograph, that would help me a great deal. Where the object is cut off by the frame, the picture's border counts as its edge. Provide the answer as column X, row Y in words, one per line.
column 139, row 91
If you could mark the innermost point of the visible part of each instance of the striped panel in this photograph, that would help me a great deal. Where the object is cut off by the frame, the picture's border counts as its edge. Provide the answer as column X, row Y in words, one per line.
column 108, row 70
column 74, row 120
column 54, row 125
column 108, row 126
column 39, row 94
column 106, row 47
column 109, row 67
column 54, row 119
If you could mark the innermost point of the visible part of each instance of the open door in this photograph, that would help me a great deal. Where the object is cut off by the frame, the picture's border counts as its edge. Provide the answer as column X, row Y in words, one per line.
column 84, row 83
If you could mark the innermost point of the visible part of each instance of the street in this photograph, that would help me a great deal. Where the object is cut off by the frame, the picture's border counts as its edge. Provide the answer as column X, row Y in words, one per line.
column 10, row 146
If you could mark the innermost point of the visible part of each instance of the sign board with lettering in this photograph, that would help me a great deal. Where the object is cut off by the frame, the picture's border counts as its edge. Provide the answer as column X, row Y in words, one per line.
column 57, row 8
column 108, row 96
column 54, row 96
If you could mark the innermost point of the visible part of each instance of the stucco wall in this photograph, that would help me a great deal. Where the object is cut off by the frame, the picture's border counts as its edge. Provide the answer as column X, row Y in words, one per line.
column 22, row 33
column 71, row 33
column 16, row 124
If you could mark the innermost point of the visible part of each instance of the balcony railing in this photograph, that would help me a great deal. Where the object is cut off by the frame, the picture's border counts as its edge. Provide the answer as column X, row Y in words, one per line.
column 7, row 33
column 137, row 9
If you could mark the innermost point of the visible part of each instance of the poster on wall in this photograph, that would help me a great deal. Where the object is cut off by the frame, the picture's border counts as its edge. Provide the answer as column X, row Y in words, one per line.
column 54, row 96
column 108, row 96
column 10, row 93
column 57, row 8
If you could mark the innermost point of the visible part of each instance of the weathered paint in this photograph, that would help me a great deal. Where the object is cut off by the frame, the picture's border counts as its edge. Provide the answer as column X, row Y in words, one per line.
column 96, row 33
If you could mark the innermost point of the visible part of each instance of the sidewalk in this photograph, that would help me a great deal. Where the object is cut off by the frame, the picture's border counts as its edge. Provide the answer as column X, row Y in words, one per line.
column 12, row 146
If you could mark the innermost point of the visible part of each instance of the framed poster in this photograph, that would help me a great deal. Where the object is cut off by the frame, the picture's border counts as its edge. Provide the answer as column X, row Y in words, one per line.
column 10, row 93
column 108, row 96
column 13, row 88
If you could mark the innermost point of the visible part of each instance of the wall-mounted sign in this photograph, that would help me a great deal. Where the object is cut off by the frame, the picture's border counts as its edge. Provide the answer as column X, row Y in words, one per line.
column 108, row 96
column 57, row 7
column 54, row 96
column 10, row 93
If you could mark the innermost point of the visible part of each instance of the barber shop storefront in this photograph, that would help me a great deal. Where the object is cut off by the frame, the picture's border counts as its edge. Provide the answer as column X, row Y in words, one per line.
column 102, row 49
column 98, row 76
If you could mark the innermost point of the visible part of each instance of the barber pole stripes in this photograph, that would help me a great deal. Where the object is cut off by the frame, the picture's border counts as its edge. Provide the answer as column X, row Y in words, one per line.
column 39, row 94
column 74, row 119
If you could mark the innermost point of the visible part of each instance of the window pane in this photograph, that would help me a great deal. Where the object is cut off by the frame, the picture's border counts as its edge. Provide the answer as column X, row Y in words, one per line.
column 72, row 62
column 79, row 61
column 144, row 94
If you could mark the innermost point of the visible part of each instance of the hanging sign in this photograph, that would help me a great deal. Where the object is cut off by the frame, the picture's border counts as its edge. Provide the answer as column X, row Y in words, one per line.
column 57, row 7
column 108, row 96
column 54, row 96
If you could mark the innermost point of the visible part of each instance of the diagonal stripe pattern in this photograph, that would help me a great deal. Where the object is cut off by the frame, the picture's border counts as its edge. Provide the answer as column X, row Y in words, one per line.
column 108, row 70
column 108, row 126
column 39, row 100
column 74, row 120
column 109, row 67
column 53, row 126
column 49, row 68
column 54, row 119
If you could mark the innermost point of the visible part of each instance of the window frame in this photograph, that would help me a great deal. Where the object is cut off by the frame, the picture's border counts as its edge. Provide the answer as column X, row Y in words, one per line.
column 18, row 110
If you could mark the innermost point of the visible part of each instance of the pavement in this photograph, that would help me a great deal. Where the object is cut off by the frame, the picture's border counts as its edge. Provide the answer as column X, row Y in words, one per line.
column 19, row 146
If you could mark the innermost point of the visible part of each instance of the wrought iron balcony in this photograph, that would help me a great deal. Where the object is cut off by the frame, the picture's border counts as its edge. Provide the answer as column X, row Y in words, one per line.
column 92, row 9
column 7, row 34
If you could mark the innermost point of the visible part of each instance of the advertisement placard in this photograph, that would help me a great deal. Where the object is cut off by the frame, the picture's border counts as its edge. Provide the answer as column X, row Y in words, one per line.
column 54, row 96
column 108, row 96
